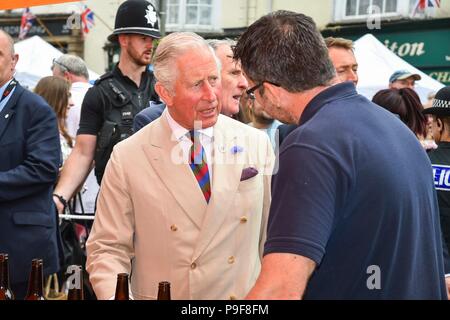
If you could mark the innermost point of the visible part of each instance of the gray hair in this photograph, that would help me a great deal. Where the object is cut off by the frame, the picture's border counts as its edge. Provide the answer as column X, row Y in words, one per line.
column 72, row 64
column 169, row 49
column 10, row 41
column 216, row 43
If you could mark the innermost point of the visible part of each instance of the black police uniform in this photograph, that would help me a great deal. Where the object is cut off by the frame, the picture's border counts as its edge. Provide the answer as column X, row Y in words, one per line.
column 110, row 105
column 109, row 108
column 440, row 159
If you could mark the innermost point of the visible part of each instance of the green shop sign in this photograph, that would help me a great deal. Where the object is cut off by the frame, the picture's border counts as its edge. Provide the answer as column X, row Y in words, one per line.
column 424, row 46
column 427, row 50
column 441, row 75
column 423, row 49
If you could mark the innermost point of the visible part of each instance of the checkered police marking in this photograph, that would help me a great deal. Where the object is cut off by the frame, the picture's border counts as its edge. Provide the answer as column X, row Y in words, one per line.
column 441, row 103
column 441, row 175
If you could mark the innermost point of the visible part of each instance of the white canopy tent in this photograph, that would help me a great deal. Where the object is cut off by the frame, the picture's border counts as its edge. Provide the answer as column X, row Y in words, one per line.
column 35, row 61
column 377, row 63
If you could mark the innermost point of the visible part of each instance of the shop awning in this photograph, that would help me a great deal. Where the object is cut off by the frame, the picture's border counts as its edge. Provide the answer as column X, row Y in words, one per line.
column 376, row 63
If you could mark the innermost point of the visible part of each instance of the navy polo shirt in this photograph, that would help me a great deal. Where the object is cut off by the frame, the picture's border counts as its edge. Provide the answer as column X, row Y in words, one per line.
column 355, row 194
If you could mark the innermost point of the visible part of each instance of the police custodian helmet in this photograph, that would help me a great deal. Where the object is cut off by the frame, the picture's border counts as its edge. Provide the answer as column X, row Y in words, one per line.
column 441, row 103
column 136, row 16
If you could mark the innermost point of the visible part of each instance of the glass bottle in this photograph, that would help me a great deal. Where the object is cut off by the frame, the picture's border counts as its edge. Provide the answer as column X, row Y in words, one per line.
column 76, row 291
column 5, row 290
column 122, row 292
column 164, row 290
column 35, row 290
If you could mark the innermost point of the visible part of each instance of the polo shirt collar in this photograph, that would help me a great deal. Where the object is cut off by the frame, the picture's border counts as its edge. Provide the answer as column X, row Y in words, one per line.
column 335, row 92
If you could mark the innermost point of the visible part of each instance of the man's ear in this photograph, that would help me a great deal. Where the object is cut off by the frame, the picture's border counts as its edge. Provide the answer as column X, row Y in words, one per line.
column 122, row 39
column 15, row 59
column 164, row 94
column 439, row 124
column 68, row 76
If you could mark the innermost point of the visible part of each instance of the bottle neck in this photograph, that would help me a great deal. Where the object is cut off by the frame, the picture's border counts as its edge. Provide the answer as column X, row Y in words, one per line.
column 5, row 290
column 122, row 292
column 4, row 273
column 35, row 282
column 76, row 291
column 164, row 291
column 75, row 294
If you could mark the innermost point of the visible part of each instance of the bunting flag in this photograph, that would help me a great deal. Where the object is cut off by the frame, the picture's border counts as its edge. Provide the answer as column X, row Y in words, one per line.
column 26, row 23
column 421, row 5
column 87, row 20
column 14, row 4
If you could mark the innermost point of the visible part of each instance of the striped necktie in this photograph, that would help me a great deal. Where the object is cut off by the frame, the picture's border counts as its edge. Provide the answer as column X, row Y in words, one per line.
column 199, row 166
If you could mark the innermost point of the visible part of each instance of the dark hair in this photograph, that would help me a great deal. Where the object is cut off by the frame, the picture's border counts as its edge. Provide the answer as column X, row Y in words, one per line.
column 286, row 48
column 56, row 91
column 406, row 104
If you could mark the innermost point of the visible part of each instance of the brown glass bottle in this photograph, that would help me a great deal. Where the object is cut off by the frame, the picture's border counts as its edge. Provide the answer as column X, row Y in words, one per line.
column 164, row 290
column 5, row 290
column 35, row 281
column 122, row 292
column 76, row 289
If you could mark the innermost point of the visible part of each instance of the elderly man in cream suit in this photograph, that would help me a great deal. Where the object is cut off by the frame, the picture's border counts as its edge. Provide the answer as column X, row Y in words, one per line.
column 154, row 220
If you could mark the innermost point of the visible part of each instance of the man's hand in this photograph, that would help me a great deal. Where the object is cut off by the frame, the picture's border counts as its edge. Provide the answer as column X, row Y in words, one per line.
column 59, row 205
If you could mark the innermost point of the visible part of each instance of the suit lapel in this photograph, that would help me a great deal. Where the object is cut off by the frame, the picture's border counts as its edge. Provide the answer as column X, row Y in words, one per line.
column 165, row 156
column 9, row 110
column 227, row 169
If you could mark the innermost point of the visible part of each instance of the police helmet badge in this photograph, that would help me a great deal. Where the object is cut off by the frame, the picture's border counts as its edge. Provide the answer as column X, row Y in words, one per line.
column 151, row 15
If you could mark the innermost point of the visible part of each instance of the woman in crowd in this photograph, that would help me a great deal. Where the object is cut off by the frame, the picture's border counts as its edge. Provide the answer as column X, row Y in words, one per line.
column 56, row 91
column 405, row 103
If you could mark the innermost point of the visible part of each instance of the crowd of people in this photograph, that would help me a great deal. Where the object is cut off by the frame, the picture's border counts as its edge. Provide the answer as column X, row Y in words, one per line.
column 233, row 169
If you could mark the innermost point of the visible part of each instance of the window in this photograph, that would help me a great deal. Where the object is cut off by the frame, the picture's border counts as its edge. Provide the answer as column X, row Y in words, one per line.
column 173, row 10
column 355, row 8
column 191, row 14
column 358, row 10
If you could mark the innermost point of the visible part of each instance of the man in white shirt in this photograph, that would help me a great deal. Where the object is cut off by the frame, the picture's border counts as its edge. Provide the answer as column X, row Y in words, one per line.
column 74, row 70
column 186, row 198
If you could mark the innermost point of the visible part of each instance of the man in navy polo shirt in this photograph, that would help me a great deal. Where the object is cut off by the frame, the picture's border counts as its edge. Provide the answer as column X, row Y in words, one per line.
column 354, row 212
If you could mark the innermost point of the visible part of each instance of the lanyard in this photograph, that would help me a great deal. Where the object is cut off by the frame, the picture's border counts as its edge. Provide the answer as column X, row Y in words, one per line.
column 8, row 89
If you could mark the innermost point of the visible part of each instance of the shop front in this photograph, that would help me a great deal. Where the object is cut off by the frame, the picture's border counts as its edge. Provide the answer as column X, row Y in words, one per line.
column 425, row 44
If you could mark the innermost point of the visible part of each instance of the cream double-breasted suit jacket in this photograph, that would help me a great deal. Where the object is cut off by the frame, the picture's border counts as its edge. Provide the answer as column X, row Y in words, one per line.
column 152, row 219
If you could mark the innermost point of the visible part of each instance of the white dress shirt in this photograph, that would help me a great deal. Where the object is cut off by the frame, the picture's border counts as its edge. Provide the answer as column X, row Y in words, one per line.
column 206, row 139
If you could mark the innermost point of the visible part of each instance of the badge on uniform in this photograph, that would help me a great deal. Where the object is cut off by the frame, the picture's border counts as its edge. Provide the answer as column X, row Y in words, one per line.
column 441, row 175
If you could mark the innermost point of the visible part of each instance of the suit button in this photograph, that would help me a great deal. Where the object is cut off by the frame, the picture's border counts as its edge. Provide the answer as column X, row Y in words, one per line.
column 231, row 260
column 233, row 297
column 173, row 227
column 244, row 219
column 193, row 265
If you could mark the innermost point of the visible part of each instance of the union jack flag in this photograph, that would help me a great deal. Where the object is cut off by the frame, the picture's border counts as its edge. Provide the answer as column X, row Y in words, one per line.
column 87, row 19
column 421, row 5
column 26, row 23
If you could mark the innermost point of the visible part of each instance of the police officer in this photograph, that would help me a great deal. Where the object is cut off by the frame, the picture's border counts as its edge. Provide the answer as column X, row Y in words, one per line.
column 440, row 158
column 110, row 105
